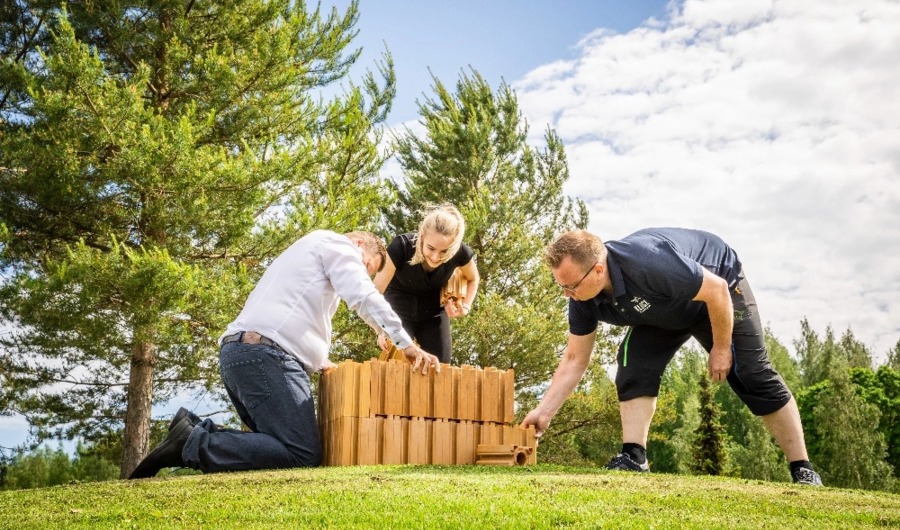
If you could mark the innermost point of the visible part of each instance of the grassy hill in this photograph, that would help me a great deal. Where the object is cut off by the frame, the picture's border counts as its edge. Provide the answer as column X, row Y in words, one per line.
column 446, row 497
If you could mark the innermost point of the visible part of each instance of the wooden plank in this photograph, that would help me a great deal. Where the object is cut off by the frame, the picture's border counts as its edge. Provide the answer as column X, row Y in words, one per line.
column 509, row 396
column 367, row 442
column 490, row 396
column 393, row 442
column 418, row 441
column 467, row 392
column 419, row 394
column 443, row 392
column 396, row 388
column 363, row 390
column 531, row 441
column 441, row 443
column 376, row 399
column 466, row 442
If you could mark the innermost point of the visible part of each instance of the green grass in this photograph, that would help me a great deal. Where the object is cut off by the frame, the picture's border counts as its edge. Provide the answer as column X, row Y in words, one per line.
column 445, row 497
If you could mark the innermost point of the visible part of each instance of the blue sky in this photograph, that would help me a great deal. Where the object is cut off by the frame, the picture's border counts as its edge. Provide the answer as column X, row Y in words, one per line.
column 500, row 39
column 772, row 123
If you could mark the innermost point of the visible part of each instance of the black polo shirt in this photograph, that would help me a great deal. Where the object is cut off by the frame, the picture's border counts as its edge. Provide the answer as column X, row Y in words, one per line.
column 414, row 292
column 655, row 274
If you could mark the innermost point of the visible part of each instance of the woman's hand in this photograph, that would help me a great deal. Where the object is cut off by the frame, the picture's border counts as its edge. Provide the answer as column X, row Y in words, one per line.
column 456, row 308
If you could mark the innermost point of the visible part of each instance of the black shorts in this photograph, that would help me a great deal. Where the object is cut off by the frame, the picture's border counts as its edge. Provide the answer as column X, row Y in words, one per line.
column 646, row 351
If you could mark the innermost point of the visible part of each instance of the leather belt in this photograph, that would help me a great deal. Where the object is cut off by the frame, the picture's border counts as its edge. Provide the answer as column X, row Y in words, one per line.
column 250, row 337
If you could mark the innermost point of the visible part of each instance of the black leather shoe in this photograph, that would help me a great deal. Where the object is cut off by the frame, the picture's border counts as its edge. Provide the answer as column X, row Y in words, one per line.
column 184, row 413
column 167, row 453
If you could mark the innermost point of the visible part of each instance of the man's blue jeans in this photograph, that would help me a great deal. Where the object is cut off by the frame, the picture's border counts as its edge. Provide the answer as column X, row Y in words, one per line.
column 271, row 392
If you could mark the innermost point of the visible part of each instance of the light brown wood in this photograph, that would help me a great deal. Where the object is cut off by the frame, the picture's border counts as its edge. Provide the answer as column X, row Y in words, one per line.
column 383, row 413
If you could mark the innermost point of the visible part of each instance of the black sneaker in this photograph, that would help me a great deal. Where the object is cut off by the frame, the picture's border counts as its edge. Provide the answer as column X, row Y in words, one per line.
column 167, row 453
column 624, row 462
column 184, row 413
column 805, row 475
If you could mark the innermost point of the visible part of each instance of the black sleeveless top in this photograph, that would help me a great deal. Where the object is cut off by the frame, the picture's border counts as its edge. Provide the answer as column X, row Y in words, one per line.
column 413, row 292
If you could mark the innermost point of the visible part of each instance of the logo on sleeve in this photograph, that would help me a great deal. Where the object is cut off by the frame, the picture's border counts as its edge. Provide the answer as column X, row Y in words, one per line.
column 640, row 305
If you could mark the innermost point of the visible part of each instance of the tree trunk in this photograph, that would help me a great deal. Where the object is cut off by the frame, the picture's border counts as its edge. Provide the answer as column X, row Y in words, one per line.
column 137, row 412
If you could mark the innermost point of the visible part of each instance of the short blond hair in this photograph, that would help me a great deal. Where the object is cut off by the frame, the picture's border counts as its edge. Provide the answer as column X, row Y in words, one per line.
column 445, row 220
column 372, row 244
column 583, row 248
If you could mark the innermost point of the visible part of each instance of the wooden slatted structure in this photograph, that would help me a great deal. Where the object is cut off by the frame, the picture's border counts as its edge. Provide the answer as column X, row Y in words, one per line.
column 380, row 412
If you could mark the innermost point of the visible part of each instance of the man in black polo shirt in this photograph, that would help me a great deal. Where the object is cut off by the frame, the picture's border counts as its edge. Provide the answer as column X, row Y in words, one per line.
column 668, row 285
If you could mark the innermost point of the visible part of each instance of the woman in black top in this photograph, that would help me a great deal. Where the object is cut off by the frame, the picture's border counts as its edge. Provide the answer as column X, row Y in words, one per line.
column 420, row 264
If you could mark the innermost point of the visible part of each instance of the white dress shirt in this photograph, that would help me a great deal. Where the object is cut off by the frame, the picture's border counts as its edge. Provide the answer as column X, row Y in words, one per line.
column 297, row 296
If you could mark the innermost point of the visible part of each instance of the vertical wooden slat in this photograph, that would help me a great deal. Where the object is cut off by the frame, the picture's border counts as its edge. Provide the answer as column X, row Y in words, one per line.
column 442, row 389
column 419, row 390
column 509, row 390
column 396, row 388
column 418, row 442
column 376, row 400
column 392, row 450
column 379, row 430
column 465, row 442
column 363, row 391
column 490, row 396
column 467, row 390
column 531, row 441
column 367, row 440
column 441, row 443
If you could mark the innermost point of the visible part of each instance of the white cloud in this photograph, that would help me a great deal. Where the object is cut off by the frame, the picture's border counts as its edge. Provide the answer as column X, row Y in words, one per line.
column 772, row 123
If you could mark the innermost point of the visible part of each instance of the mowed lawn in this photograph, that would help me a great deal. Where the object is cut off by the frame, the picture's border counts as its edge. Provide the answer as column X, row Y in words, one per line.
column 446, row 497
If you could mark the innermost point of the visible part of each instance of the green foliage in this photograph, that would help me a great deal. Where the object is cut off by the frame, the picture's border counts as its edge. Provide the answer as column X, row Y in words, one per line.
column 881, row 389
column 586, row 430
column 677, row 417
column 153, row 159
column 850, row 452
column 46, row 467
column 821, row 358
column 709, row 456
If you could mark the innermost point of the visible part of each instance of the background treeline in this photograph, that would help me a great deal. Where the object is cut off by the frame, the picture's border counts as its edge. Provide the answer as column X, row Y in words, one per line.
column 156, row 155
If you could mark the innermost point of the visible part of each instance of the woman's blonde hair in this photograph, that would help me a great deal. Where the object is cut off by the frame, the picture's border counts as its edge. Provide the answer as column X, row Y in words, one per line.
column 445, row 220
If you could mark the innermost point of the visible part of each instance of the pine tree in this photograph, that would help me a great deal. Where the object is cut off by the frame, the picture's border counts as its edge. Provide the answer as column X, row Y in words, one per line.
column 893, row 357
column 710, row 457
column 154, row 156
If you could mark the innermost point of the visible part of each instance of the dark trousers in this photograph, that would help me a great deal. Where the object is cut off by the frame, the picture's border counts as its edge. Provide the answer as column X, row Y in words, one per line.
column 647, row 350
column 271, row 392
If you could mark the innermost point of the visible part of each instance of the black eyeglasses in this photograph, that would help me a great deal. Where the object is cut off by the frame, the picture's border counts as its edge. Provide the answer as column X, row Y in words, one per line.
column 571, row 290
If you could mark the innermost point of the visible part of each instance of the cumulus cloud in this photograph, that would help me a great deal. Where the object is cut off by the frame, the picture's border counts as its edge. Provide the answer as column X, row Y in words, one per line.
column 772, row 123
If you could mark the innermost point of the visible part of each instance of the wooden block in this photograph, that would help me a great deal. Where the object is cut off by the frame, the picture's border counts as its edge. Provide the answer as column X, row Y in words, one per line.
column 396, row 388
column 502, row 455
column 490, row 434
column 367, row 442
column 443, row 392
column 348, row 398
column 376, row 395
column 441, row 443
column 531, row 441
column 467, row 392
column 393, row 443
column 379, row 434
column 466, row 441
column 420, row 394
column 508, row 390
column 491, row 409
column 419, row 442
column 348, row 441
column 363, row 392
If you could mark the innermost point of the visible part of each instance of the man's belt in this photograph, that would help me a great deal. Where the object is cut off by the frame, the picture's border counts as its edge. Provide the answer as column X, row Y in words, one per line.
column 250, row 337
